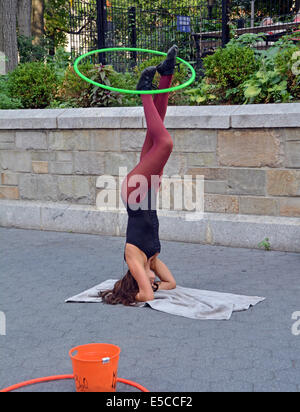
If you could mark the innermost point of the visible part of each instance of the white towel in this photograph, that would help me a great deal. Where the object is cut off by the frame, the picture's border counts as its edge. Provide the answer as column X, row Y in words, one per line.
column 187, row 302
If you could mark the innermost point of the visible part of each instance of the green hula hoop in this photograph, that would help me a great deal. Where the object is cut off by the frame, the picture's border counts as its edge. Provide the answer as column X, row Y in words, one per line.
column 114, row 89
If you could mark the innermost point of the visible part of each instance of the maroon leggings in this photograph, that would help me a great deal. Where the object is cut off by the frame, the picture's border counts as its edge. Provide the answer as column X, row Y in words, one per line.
column 156, row 150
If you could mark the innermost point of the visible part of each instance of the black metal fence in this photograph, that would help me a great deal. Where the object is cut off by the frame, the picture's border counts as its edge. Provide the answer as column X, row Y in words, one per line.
column 157, row 24
column 98, row 24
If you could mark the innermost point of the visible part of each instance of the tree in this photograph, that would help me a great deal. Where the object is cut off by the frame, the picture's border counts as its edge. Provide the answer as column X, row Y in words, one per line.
column 51, row 22
column 24, row 17
column 57, row 22
column 37, row 20
column 8, row 32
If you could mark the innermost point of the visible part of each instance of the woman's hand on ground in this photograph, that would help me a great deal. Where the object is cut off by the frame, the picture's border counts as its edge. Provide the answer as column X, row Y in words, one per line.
column 144, row 297
column 167, row 281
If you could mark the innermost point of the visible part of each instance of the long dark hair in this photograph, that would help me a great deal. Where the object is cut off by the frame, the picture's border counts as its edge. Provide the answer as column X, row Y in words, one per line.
column 124, row 291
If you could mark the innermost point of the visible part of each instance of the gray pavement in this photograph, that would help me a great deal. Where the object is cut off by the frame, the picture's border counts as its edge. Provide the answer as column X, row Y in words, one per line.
column 254, row 351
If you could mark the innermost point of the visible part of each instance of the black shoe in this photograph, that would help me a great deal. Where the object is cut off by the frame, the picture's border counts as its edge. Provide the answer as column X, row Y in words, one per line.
column 167, row 67
column 146, row 79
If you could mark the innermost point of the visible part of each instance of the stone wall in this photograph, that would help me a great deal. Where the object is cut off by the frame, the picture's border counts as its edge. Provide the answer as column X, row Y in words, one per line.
column 249, row 155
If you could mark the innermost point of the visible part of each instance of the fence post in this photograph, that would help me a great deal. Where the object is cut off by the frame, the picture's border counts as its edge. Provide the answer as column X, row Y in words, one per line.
column 132, row 33
column 225, row 23
column 101, row 27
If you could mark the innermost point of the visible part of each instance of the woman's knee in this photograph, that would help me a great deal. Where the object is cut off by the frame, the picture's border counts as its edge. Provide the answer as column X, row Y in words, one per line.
column 167, row 144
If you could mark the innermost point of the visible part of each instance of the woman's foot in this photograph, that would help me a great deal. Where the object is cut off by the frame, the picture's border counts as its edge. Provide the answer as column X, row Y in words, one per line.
column 146, row 79
column 167, row 67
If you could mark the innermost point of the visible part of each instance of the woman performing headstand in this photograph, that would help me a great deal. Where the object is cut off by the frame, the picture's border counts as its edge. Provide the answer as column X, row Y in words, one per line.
column 139, row 192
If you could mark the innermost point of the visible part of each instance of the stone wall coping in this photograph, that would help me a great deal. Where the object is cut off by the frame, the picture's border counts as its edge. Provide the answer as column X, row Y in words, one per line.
column 266, row 115
column 178, row 117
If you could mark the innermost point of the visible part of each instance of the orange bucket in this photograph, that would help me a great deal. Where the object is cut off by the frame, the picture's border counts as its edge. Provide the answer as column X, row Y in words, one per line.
column 95, row 367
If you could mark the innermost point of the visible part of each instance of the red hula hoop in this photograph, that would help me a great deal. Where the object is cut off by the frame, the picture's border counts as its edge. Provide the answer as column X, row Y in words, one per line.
column 62, row 377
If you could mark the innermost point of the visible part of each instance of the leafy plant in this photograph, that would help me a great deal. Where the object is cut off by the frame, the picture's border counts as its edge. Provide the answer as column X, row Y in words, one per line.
column 241, row 74
column 265, row 244
column 247, row 40
column 203, row 93
column 86, row 94
column 58, row 104
column 6, row 101
column 294, row 75
column 127, row 80
column 35, row 84
column 275, row 81
column 284, row 62
column 266, row 87
column 99, row 97
column 59, row 62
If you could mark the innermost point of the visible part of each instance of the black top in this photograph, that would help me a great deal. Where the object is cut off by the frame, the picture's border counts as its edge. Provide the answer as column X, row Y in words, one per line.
column 143, row 226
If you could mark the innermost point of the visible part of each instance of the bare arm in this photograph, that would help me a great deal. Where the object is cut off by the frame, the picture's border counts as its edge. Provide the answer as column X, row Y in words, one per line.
column 167, row 281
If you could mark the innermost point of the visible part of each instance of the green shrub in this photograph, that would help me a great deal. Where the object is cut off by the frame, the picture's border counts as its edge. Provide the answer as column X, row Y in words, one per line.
column 6, row 101
column 35, row 84
column 227, row 69
column 86, row 94
column 74, row 86
column 127, row 81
